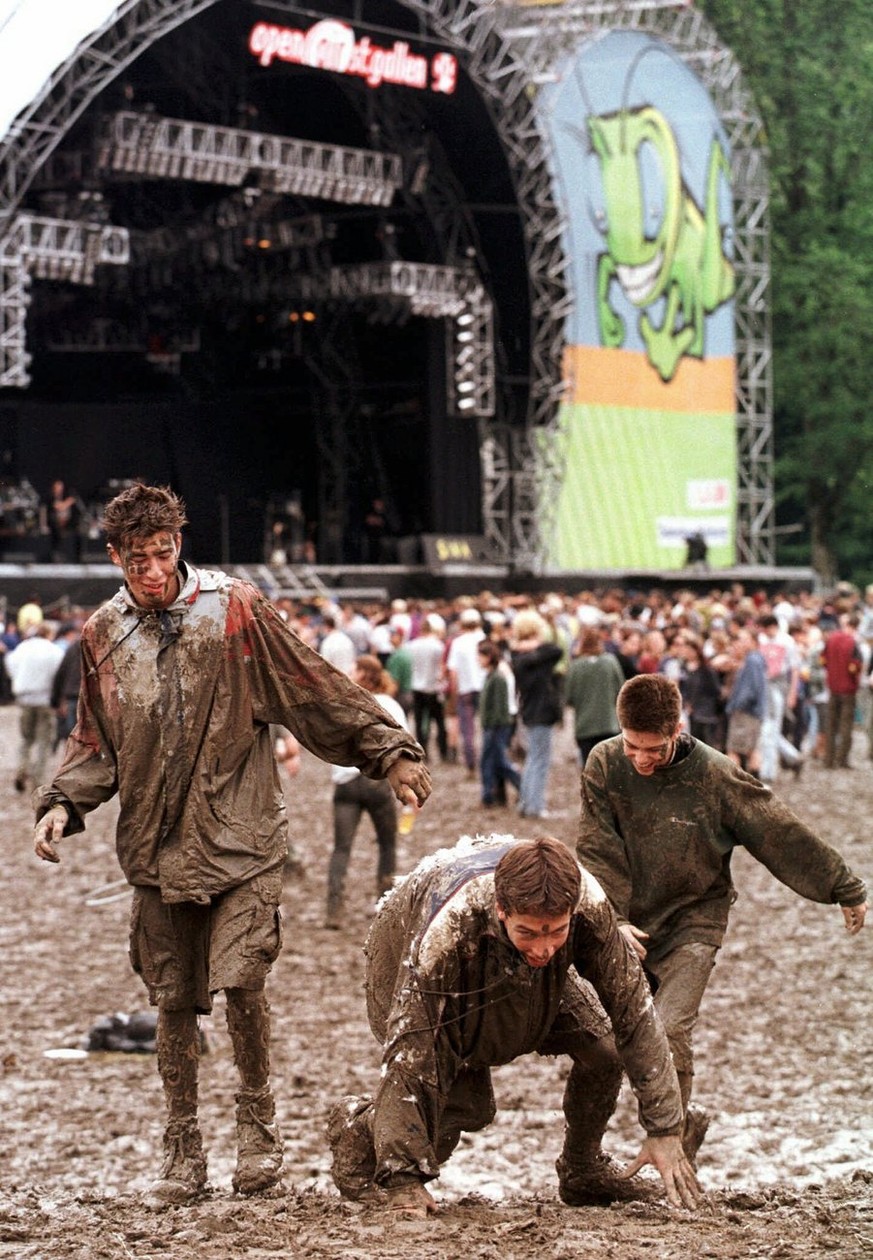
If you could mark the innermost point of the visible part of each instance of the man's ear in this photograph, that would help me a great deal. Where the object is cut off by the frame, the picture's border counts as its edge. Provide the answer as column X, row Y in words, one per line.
column 114, row 556
column 501, row 913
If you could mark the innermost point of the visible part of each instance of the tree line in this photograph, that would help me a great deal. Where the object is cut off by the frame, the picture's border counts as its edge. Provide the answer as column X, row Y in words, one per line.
column 809, row 65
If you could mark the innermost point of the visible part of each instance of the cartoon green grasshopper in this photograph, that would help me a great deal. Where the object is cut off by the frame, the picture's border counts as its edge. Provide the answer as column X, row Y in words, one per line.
column 684, row 263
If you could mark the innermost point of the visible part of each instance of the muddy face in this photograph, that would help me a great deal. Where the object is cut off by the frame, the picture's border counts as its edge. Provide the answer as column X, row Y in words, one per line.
column 150, row 568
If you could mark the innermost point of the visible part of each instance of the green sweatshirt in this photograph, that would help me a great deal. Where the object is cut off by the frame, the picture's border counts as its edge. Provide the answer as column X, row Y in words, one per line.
column 661, row 844
column 494, row 702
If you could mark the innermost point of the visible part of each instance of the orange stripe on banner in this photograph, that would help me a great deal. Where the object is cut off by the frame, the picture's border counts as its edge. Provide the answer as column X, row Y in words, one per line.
column 625, row 378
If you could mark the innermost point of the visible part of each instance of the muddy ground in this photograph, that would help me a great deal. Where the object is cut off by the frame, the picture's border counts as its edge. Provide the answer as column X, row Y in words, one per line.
column 783, row 1065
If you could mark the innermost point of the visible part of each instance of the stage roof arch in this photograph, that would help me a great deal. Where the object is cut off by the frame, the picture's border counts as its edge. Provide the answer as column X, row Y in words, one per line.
column 36, row 37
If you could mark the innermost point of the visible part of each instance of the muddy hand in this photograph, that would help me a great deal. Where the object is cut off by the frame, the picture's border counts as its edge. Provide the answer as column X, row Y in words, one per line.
column 635, row 937
column 412, row 1200
column 48, row 832
column 410, row 781
column 668, row 1157
column 854, row 917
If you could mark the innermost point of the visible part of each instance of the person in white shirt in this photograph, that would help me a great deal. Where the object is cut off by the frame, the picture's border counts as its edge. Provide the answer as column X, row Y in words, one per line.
column 31, row 668
column 354, row 794
column 336, row 646
column 466, row 677
column 426, row 651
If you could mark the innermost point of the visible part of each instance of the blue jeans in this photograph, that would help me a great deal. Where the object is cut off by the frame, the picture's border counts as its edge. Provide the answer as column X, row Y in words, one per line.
column 495, row 766
column 534, row 776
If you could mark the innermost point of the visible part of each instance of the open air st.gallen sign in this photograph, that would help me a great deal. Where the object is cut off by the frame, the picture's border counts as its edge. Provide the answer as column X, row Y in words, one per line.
column 333, row 45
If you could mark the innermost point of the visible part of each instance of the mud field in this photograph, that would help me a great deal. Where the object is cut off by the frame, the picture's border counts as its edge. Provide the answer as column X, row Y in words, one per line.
column 783, row 1065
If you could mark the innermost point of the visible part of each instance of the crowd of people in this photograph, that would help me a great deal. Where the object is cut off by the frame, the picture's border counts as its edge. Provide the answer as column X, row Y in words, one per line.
column 772, row 680
column 192, row 687
column 485, row 680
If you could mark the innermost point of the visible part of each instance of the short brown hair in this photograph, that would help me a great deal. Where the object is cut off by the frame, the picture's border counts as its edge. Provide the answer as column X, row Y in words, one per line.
column 650, row 703
column 373, row 676
column 538, row 877
column 140, row 511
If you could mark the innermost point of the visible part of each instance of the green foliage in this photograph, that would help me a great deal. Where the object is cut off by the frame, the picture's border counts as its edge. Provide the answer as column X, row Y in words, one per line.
column 809, row 65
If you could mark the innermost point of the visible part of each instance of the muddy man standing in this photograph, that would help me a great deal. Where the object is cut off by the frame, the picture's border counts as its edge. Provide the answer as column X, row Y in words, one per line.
column 661, row 815
column 183, row 671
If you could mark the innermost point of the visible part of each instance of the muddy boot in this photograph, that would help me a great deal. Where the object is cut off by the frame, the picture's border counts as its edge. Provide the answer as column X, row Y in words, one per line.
column 598, row 1181
column 259, row 1143
column 183, row 1175
column 696, row 1125
column 350, row 1137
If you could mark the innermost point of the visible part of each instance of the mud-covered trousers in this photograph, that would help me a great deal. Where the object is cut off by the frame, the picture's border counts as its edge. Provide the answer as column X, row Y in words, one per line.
column 465, row 1102
column 680, row 982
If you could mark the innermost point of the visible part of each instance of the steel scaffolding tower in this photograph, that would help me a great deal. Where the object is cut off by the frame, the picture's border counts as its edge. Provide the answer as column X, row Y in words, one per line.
column 50, row 249
column 547, row 36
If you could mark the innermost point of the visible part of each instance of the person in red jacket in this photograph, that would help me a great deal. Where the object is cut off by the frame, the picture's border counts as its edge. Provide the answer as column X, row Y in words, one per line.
column 842, row 661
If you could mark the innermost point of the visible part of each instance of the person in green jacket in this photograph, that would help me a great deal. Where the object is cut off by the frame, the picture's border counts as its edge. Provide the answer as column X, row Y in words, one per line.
column 594, row 680
column 662, row 813
column 496, row 721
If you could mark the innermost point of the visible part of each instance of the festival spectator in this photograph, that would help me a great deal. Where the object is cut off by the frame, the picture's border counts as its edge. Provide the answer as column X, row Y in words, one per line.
column 465, row 678
column 594, row 680
column 336, row 647
column 702, row 700
column 496, row 722
column 426, row 652
column 533, row 664
column 399, row 666
column 842, row 662
column 747, row 702
column 782, row 664
column 354, row 795
column 31, row 668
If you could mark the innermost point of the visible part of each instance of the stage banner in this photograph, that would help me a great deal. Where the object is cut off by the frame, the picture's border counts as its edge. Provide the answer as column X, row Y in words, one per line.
column 648, row 446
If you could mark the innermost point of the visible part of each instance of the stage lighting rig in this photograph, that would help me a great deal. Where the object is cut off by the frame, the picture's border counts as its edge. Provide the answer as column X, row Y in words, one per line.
column 50, row 249
column 149, row 146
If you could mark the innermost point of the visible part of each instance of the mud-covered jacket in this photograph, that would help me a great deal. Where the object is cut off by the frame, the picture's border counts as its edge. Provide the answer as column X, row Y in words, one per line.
column 448, row 991
column 174, row 715
column 661, row 844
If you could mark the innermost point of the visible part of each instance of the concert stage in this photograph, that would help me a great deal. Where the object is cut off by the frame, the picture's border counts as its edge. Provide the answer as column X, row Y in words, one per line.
column 60, row 587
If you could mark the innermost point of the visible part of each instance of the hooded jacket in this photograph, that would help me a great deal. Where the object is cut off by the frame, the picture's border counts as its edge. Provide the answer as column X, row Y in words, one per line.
column 174, row 716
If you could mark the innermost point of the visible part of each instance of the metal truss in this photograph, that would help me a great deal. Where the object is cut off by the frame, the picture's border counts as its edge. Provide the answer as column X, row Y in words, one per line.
column 471, row 385
column 438, row 292
column 432, row 291
column 49, row 249
column 505, row 51
column 548, row 35
column 148, row 146
column 501, row 71
column 99, row 59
